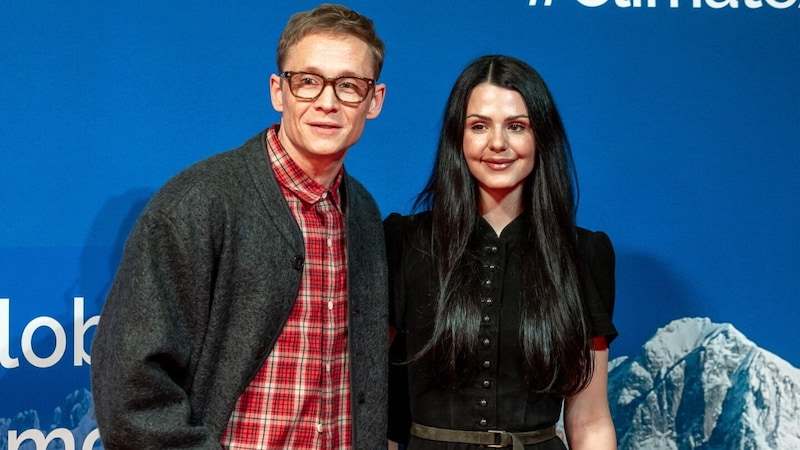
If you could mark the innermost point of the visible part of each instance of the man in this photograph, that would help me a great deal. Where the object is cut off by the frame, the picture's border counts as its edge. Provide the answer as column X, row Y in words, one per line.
column 249, row 309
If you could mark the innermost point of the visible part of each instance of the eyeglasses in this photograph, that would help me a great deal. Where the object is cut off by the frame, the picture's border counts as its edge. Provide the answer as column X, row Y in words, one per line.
column 309, row 86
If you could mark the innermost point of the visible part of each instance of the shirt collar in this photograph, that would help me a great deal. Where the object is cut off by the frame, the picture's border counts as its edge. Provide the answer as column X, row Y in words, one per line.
column 293, row 178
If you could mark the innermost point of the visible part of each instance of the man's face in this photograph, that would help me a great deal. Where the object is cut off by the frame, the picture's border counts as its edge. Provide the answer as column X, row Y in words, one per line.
column 317, row 133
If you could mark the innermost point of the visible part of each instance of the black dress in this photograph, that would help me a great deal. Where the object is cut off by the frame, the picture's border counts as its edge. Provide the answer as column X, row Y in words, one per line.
column 496, row 396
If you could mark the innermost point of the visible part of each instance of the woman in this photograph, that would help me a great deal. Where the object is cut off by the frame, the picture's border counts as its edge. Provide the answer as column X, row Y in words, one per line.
column 501, row 306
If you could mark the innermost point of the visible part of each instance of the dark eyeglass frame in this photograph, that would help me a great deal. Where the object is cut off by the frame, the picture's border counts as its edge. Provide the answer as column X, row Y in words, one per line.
column 328, row 81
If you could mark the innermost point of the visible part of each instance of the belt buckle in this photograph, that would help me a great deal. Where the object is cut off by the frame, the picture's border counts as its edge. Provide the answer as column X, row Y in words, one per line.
column 499, row 433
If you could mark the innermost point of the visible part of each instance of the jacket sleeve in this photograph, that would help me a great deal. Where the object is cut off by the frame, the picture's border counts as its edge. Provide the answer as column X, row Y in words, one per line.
column 142, row 349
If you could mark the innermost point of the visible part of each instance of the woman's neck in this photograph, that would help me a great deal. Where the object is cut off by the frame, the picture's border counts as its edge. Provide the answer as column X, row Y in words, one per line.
column 499, row 212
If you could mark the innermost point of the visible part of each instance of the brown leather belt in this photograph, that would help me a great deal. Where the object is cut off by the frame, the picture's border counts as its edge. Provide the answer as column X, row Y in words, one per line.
column 491, row 438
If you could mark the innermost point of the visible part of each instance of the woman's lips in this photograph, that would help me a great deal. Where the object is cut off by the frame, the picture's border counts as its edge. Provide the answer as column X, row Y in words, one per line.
column 498, row 164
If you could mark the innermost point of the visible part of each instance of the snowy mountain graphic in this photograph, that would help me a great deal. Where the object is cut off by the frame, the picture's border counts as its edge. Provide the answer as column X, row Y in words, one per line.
column 73, row 422
column 694, row 385
column 701, row 385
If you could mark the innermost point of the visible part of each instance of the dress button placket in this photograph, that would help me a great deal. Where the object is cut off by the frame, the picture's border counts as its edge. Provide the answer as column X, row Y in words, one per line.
column 486, row 401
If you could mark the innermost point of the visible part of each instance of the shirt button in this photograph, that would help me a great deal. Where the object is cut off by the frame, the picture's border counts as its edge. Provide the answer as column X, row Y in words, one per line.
column 483, row 402
column 487, row 384
column 486, row 342
column 330, row 242
column 319, row 428
column 330, row 305
column 484, row 422
column 487, row 364
column 487, row 283
column 489, row 301
column 492, row 267
column 325, row 194
column 487, row 319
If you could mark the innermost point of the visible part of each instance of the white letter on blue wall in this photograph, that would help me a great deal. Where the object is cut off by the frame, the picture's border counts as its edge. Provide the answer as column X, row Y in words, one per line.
column 5, row 337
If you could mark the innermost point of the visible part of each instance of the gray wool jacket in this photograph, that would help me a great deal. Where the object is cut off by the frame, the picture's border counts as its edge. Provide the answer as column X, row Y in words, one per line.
column 208, row 277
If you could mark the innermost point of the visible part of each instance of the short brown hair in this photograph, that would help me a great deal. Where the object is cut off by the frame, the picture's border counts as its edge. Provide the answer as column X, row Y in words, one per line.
column 335, row 19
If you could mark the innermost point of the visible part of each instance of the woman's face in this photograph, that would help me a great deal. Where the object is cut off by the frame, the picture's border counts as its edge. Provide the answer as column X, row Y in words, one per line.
column 499, row 145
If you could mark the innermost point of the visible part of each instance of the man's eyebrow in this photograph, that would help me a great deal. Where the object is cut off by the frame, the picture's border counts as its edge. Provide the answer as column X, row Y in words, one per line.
column 345, row 73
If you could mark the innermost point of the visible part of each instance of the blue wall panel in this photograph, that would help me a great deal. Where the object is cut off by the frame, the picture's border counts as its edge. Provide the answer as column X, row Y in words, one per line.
column 684, row 118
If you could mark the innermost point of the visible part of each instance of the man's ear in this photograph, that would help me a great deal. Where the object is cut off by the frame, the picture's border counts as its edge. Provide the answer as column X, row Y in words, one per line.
column 376, row 102
column 276, row 92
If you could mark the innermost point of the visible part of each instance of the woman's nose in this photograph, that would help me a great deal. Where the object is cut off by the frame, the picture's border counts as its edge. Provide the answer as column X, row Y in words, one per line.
column 498, row 141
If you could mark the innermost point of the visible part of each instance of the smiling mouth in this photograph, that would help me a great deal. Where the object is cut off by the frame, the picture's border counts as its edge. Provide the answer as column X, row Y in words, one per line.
column 325, row 129
column 498, row 165
column 326, row 126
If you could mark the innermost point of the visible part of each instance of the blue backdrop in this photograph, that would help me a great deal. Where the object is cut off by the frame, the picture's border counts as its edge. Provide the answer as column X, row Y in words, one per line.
column 684, row 117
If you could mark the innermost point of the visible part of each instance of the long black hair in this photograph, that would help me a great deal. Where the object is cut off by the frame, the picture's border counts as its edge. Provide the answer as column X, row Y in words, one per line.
column 554, row 333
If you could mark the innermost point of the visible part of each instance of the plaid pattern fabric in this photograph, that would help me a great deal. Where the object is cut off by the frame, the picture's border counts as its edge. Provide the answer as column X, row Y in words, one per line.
column 300, row 398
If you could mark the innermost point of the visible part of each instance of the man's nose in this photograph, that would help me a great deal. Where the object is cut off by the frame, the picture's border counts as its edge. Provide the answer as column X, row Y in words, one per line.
column 327, row 99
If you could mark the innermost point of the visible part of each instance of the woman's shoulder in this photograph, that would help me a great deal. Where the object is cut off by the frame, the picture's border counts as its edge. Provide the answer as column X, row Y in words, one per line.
column 396, row 223
column 594, row 242
column 407, row 231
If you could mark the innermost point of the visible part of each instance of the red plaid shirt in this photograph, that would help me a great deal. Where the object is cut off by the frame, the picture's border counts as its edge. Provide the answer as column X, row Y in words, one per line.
column 300, row 398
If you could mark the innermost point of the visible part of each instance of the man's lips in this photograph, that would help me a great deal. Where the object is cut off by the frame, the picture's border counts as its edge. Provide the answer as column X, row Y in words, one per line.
column 324, row 125
column 324, row 129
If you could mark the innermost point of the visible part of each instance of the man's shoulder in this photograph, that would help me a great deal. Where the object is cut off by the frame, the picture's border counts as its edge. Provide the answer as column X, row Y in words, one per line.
column 359, row 198
column 217, row 175
column 251, row 150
